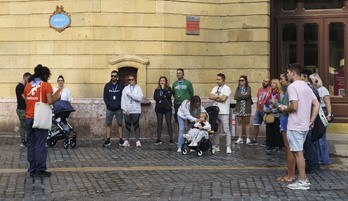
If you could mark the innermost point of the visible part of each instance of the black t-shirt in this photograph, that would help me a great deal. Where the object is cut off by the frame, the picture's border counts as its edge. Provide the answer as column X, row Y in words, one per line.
column 20, row 101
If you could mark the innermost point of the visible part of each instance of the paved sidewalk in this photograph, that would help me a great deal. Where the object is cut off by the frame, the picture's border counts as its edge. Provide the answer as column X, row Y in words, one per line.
column 157, row 172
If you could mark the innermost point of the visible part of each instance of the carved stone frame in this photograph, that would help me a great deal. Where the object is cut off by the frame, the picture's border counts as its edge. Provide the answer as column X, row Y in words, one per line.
column 59, row 10
column 134, row 61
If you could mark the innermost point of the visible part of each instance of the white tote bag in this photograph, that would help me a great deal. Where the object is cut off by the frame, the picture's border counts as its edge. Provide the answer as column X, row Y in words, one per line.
column 42, row 114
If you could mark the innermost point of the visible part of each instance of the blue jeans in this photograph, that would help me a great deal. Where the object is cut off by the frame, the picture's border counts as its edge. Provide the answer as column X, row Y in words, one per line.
column 37, row 152
column 182, row 130
column 168, row 116
column 321, row 151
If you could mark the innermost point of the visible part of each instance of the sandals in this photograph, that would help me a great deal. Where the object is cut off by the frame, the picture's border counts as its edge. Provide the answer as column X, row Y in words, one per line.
column 283, row 179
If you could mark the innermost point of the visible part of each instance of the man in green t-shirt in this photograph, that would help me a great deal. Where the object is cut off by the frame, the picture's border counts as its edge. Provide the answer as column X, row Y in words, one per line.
column 182, row 90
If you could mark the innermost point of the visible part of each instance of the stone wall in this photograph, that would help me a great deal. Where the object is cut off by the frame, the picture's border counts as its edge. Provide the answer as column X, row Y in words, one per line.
column 89, row 119
column 234, row 39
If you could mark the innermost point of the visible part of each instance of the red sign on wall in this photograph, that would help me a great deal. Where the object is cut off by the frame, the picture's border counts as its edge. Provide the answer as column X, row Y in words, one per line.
column 192, row 25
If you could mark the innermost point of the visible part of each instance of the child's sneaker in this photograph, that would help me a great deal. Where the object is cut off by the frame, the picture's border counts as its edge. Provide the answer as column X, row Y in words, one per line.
column 239, row 141
column 186, row 136
column 138, row 144
column 298, row 185
column 125, row 144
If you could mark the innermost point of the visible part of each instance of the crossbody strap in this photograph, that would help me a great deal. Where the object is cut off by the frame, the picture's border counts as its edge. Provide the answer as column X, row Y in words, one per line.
column 41, row 92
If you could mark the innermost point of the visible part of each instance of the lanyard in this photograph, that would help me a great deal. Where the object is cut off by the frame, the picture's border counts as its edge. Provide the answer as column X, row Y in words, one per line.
column 161, row 92
column 182, row 82
column 23, row 83
column 114, row 89
column 263, row 94
column 219, row 91
column 130, row 89
column 242, row 89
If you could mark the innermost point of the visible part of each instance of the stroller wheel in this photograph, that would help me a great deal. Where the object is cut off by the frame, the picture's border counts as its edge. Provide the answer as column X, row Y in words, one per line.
column 73, row 143
column 66, row 144
column 213, row 151
column 52, row 143
column 199, row 153
column 184, row 151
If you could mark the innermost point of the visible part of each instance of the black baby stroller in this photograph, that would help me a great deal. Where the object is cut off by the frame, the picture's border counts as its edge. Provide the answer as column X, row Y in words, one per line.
column 204, row 144
column 61, row 129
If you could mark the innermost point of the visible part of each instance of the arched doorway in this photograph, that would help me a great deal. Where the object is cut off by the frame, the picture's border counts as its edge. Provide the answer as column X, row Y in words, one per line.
column 124, row 72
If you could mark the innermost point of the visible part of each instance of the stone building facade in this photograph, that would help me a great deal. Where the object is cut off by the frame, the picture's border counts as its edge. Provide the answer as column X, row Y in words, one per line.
column 147, row 35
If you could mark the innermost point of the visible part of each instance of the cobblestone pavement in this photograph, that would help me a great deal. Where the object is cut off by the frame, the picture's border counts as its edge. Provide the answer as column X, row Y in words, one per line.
column 157, row 172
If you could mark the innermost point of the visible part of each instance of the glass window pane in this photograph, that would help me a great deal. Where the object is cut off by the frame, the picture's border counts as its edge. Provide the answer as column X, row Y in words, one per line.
column 310, row 44
column 336, row 51
column 288, row 45
column 323, row 4
column 289, row 4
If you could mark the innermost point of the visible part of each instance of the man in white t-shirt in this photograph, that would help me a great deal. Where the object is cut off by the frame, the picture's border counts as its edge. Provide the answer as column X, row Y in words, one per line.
column 301, row 119
column 221, row 95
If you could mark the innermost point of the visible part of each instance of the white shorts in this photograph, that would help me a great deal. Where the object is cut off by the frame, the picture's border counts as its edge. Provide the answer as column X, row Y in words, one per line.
column 296, row 139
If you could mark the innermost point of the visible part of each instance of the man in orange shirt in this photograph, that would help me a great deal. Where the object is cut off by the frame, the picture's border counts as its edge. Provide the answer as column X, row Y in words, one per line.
column 37, row 89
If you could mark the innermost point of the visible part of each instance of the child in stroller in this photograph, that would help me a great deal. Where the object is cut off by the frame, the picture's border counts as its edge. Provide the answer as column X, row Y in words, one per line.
column 200, row 130
column 61, row 128
column 203, row 142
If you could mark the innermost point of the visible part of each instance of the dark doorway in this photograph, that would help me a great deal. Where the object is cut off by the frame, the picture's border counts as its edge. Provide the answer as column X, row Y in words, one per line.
column 125, row 72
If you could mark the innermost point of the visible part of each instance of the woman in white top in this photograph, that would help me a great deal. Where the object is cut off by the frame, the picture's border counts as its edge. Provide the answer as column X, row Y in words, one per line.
column 65, row 92
column 189, row 110
column 131, row 107
column 321, row 152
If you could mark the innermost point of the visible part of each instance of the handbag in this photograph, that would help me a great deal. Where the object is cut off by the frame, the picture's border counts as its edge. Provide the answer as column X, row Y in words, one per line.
column 42, row 114
column 268, row 118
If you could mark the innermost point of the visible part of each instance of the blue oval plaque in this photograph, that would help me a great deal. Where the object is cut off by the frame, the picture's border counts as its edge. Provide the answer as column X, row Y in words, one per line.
column 59, row 21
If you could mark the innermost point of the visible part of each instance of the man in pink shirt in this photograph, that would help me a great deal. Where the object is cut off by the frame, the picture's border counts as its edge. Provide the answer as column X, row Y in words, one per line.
column 258, row 117
column 301, row 118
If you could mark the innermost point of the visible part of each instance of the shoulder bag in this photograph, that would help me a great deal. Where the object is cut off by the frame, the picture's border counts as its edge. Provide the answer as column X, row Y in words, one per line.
column 268, row 118
column 42, row 114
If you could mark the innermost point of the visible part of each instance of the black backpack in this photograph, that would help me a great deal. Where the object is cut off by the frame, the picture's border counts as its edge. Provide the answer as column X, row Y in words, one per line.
column 318, row 130
column 213, row 112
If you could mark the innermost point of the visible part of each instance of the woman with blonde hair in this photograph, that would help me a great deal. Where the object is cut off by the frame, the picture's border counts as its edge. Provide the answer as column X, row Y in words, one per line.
column 321, row 152
column 163, row 97
column 273, row 136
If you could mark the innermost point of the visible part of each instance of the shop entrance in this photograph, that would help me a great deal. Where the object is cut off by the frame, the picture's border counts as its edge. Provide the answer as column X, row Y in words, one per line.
column 313, row 33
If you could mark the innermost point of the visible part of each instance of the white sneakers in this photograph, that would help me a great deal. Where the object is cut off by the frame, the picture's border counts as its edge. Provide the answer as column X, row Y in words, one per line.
column 239, row 141
column 300, row 185
column 228, row 150
column 179, row 150
column 216, row 148
column 247, row 141
column 127, row 144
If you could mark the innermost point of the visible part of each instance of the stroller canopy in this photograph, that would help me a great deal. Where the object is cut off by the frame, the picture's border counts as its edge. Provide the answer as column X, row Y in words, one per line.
column 62, row 106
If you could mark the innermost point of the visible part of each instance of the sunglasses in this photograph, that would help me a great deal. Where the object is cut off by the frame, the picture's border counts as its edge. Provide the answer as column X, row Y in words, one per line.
column 60, row 80
column 241, row 80
column 113, row 75
column 130, row 79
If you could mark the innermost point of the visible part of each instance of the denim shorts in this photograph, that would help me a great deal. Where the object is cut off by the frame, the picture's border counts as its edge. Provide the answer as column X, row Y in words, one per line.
column 283, row 122
column 258, row 118
column 110, row 115
column 296, row 139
